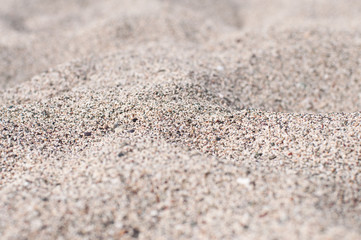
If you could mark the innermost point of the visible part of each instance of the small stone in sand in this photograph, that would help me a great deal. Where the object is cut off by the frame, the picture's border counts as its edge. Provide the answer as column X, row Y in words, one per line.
column 87, row 134
column 244, row 181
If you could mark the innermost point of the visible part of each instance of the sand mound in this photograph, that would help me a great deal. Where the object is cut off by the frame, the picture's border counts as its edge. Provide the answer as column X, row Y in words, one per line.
column 180, row 119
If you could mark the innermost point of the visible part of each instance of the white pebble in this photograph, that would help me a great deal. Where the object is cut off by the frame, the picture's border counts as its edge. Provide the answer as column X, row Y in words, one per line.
column 220, row 68
column 244, row 181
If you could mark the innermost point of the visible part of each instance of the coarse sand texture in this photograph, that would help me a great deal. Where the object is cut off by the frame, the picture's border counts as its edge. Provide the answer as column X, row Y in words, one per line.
column 180, row 119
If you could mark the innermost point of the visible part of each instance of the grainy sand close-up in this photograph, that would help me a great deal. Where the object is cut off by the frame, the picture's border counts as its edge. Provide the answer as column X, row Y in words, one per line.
column 180, row 119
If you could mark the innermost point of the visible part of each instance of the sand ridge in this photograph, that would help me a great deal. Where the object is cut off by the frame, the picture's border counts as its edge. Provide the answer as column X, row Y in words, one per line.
column 180, row 120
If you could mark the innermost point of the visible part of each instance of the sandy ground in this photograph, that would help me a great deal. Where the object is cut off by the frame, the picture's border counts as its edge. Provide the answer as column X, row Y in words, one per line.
column 180, row 119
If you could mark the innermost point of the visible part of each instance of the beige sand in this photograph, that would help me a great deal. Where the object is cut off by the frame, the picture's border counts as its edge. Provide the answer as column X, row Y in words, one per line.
column 180, row 119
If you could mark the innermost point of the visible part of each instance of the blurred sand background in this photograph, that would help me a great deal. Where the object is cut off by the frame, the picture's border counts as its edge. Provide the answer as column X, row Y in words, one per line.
column 180, row 119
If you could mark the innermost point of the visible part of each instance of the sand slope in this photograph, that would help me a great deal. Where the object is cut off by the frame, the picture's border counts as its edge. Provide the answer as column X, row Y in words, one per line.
column 180, row 119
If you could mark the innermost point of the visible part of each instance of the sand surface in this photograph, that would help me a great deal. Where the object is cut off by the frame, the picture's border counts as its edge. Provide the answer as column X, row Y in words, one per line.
column 180, row 119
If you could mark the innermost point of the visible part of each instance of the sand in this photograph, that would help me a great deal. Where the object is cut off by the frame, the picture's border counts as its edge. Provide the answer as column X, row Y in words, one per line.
column 153, row 119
